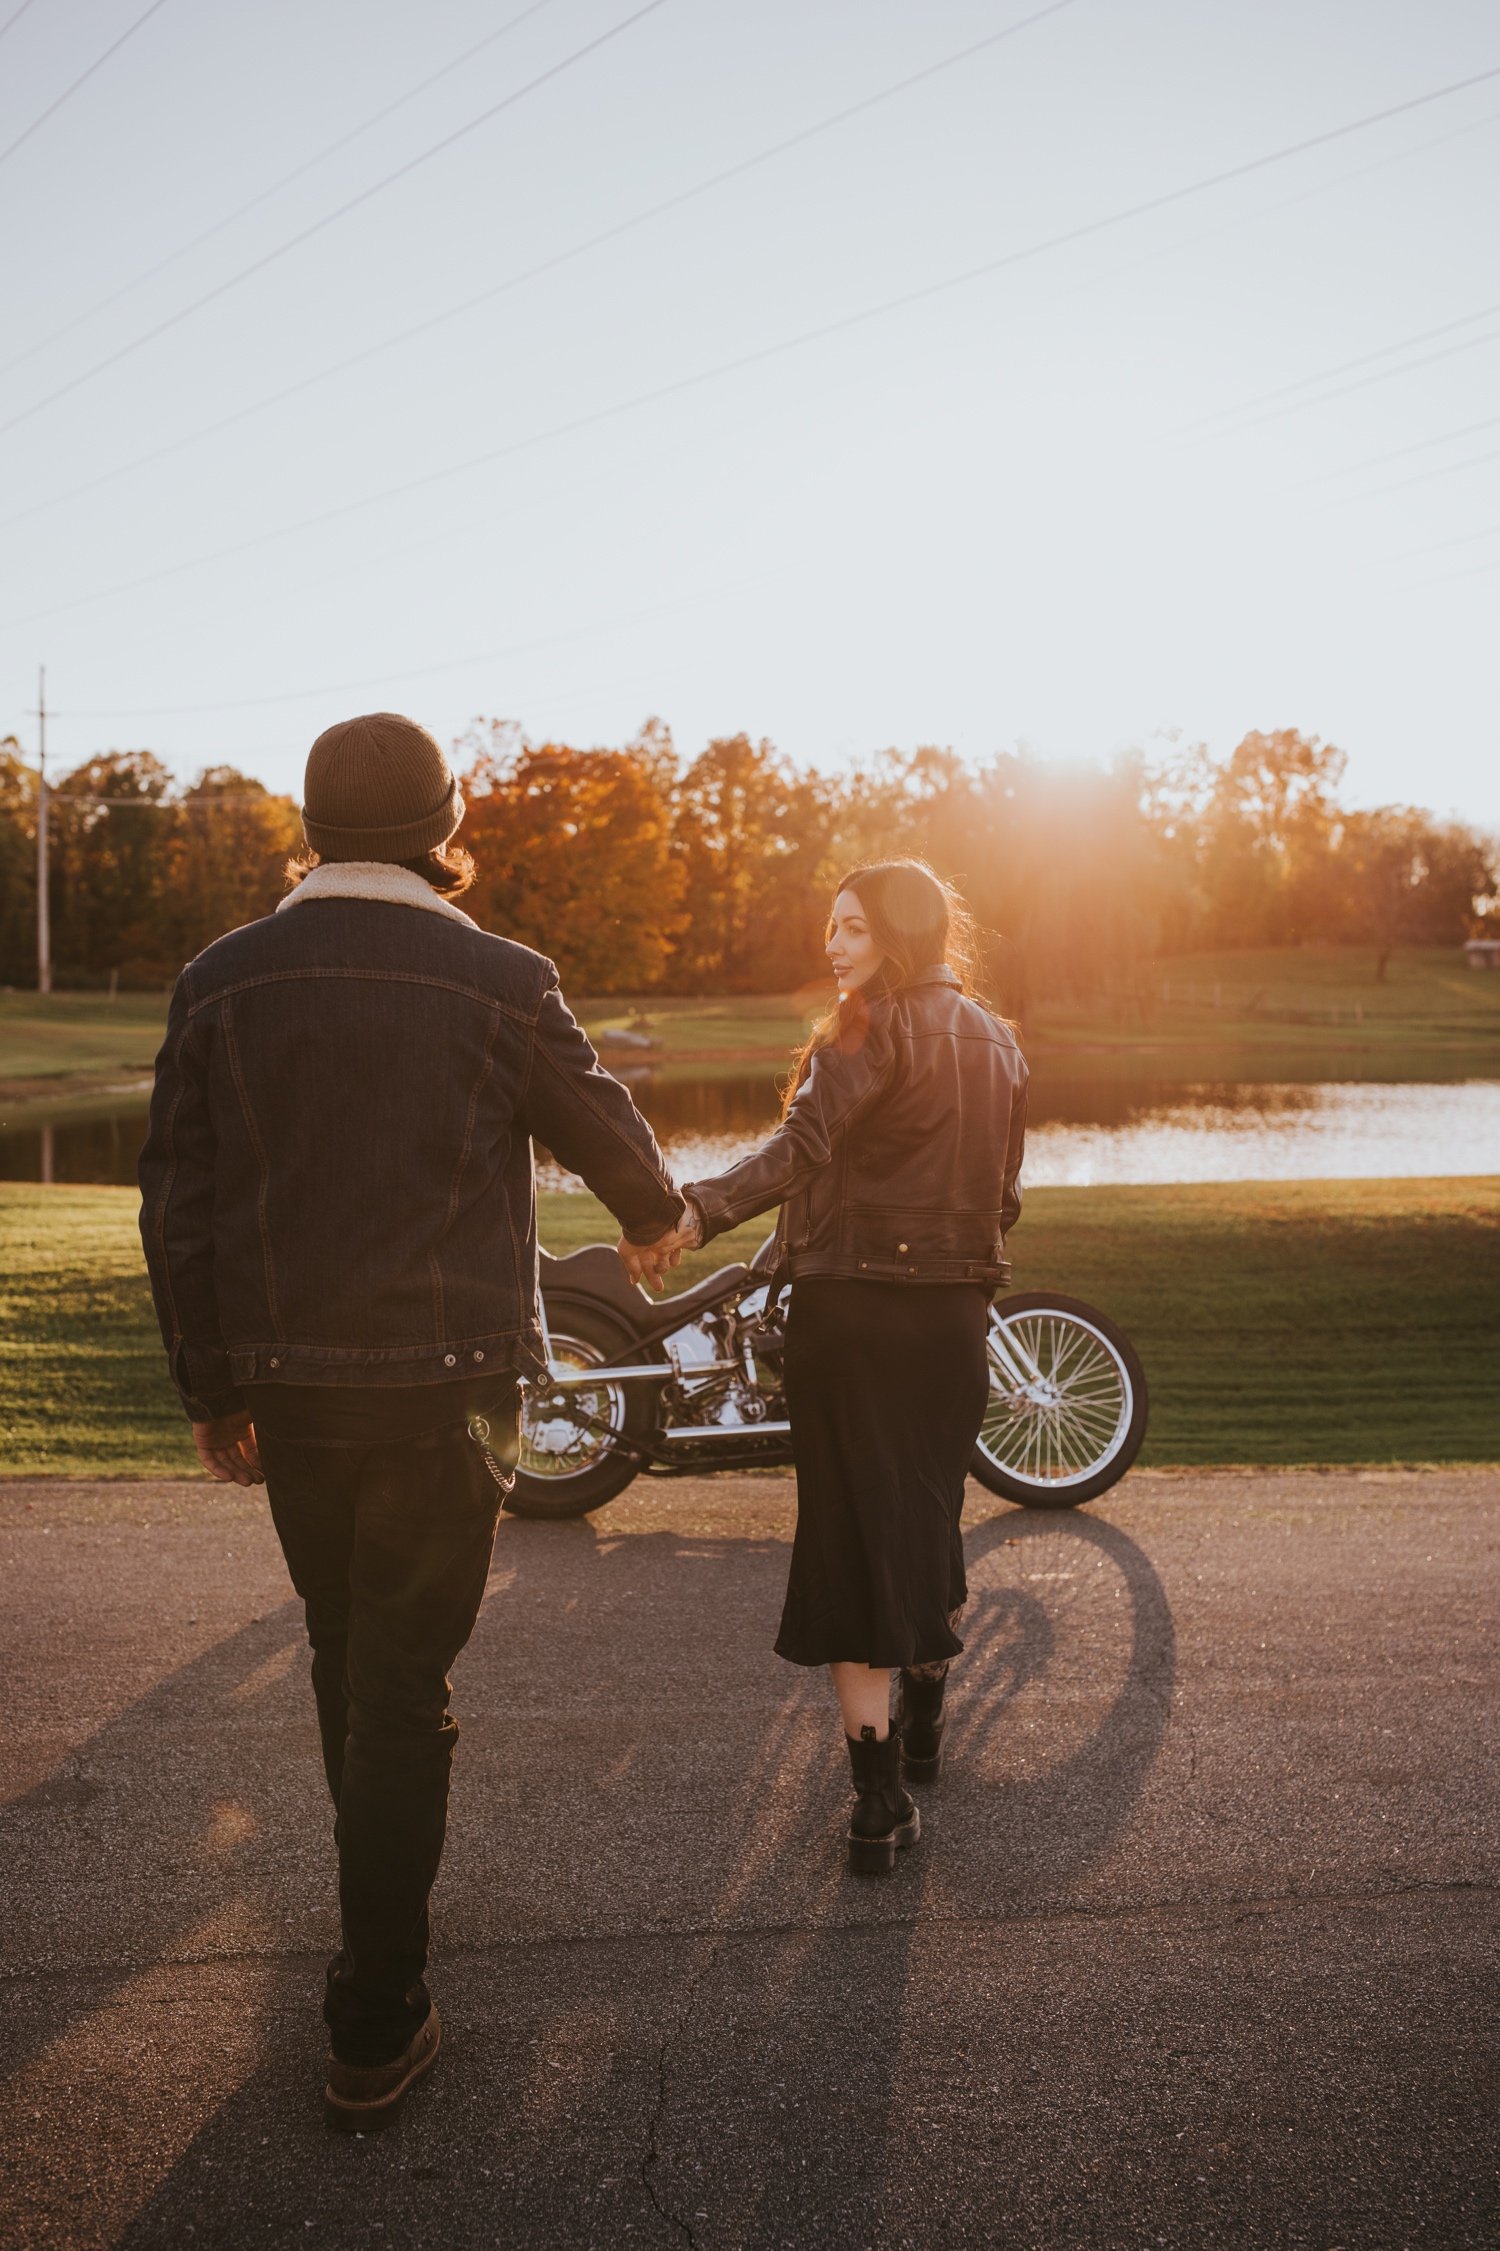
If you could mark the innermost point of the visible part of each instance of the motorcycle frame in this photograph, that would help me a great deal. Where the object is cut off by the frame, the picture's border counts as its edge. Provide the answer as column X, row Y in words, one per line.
column 657, row 1460
column 657, row 1463
column 654, row 1459
column 1017, row 1363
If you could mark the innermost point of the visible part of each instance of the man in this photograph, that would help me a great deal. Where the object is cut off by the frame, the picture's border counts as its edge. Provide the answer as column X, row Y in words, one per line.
column 339, row 1219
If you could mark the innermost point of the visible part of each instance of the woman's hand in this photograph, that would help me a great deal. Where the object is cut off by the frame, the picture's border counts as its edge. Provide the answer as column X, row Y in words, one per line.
column 648, row 1262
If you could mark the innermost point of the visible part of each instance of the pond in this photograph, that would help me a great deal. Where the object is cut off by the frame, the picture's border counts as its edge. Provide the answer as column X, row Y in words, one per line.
column 1092, row 1133
column 1084, row 1132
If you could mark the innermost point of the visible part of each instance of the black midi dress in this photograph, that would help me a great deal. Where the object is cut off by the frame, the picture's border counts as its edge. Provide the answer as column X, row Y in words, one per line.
column 897, row 1171
column 886, row 1387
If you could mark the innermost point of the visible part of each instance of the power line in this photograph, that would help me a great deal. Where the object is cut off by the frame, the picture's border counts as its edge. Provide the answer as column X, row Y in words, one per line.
column 1346, row 367
column 11, row 21
column 329, row 218
column 1404, row 453
column 62, row 795
column 1446, row 578
column 1427, row 476
column 543, row 266
column 640, row 218
column 309, row 164
column 762, row 353
column 1437, row 546
column 589, row 632
column 82, row 79
column 1363, row 382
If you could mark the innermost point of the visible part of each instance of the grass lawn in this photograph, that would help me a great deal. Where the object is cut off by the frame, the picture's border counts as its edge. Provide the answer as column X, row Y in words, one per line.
column 1312, row 1321
column 1299, row 1013
column 1306, row 1012
column 51, row 1045
column 1303, row 1013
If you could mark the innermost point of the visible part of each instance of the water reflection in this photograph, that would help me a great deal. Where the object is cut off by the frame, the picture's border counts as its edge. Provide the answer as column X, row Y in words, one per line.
column 1280, row 1132
column 90, row 1149
column 1084, row 1130
column 1090, row 1134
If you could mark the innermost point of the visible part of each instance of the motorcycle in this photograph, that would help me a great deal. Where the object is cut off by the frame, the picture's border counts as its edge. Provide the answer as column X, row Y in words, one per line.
column 637, row 1385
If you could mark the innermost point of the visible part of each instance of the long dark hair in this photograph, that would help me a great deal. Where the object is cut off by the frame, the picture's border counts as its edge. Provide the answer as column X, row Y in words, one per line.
column 449, row 868
column 917, row 920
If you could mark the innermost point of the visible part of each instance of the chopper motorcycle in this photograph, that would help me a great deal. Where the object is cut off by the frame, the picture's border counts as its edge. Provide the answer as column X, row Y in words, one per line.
column 692, row 1382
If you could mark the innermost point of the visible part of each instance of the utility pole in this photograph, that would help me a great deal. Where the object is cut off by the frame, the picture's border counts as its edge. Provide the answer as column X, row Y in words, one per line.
column 43, row 913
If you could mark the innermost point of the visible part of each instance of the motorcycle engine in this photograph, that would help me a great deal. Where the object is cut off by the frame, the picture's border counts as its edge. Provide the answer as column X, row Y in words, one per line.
column 695, row 1349
column 718, row 1380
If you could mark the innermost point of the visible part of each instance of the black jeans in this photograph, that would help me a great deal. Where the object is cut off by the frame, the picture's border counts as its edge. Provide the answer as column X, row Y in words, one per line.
column 389, row 1546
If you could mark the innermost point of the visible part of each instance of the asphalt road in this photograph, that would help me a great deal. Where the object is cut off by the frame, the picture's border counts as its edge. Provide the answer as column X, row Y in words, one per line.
column 1197, row 1948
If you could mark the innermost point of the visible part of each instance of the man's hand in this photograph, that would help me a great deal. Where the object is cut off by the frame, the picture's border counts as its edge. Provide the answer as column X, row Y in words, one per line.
column 648, row 1262
column 228, row 1451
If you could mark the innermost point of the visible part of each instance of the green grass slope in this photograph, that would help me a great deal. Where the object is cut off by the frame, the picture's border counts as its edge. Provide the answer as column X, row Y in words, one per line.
column 46, row 1042
column 1314, row 1321
column 1298, row 1013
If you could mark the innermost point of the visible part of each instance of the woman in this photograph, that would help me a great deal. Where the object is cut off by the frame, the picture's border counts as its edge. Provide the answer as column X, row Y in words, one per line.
column 895, row 1166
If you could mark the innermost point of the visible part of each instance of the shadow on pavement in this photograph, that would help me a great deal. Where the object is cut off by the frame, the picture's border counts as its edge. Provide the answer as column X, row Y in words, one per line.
column 822, row 2009
column 163, row 1823
column 647, row 1940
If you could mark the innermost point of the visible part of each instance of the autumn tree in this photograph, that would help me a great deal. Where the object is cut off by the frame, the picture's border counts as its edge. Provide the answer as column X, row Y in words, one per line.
column 636, row 873
column 227, row 850
column 142, row 876
column 653, row 749
column 1269, row 836
column 110, row 829
column 752, row 838
column 1407, row 879
column 1065, row 867
column 930, row 805
column 18, row 795
column 1178, row 789
column 901, row 803
column 574, row 855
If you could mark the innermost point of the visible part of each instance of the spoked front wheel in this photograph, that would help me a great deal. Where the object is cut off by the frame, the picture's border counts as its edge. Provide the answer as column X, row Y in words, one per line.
column 1067, row 1407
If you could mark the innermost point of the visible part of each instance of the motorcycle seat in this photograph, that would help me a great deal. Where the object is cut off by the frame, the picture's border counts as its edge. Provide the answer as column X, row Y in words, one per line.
column 670, row 1313
column 596, row 1272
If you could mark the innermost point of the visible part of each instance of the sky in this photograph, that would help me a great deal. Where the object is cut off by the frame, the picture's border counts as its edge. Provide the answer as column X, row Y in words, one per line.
column 321, row 393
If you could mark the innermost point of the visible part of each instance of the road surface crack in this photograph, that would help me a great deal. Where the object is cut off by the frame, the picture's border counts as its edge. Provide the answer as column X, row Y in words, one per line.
column 1016, row 1914
column 670, row 2038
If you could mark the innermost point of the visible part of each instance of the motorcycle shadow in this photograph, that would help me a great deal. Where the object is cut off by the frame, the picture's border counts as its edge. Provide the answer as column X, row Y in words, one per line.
column 622, row 1685
column 648, row 1948
column 685, row 1782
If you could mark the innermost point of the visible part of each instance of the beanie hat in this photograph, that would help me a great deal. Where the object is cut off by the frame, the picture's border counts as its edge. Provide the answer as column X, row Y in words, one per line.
column 378, row 788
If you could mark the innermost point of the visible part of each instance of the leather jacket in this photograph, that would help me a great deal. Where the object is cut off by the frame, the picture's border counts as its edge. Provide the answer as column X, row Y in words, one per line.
column 899, row 1158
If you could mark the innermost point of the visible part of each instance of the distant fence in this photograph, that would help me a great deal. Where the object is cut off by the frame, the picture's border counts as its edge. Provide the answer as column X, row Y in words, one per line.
column 1179, row 992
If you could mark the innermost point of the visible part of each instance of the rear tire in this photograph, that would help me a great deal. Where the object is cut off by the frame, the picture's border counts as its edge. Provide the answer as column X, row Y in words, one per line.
column 1071, row 1436
column 566, row 1467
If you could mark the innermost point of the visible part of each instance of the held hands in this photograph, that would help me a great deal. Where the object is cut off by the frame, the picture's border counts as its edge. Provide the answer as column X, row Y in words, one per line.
column 228, row 1451
column 648, row 1262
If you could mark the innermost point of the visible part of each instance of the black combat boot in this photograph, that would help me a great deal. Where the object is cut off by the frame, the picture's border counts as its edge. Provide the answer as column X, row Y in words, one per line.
column 885, row 1819
column 922, row 1724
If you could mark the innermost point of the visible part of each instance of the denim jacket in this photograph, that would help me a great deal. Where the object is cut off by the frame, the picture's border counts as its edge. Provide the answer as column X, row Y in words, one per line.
column 337, row 1182
column 899, row 1159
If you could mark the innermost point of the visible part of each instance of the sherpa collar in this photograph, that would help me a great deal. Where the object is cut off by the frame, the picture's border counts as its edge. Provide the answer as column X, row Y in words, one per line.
column 380, row 880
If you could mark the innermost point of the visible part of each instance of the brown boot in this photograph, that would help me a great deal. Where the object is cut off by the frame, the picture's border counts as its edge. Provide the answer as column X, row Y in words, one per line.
column 366, row 2098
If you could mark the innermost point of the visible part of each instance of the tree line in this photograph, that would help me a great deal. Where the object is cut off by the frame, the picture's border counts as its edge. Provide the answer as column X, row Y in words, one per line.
column 639, row 871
